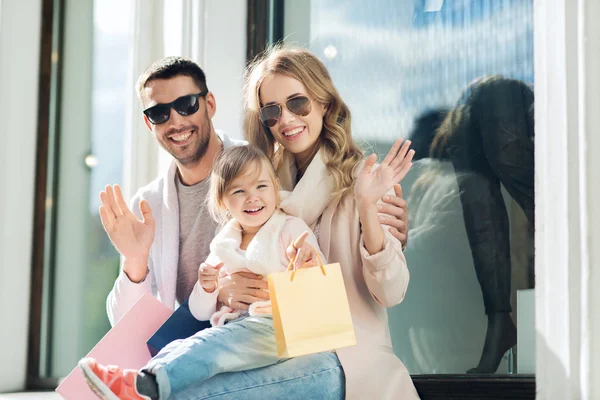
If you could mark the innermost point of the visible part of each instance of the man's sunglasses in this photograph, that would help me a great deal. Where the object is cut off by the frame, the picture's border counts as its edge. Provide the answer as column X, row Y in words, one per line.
column 185, row 105
column 300, row 106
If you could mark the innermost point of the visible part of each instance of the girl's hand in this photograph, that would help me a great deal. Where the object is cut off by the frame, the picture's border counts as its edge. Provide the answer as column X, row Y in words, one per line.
column 303, row 253
column 208, row 276
column 370, row 185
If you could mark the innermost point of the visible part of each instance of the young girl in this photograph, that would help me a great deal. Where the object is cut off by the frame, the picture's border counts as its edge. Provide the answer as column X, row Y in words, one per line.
column 258, row 238
column 296, row 116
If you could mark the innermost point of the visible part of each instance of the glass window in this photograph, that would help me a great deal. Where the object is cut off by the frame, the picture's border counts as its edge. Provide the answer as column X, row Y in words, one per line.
column 110, row 89
column 455, row 77
column 86, row 152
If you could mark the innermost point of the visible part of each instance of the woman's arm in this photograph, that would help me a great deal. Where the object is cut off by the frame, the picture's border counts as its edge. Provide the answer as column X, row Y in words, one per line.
column 372, row 183
column 384, row 265
column 371, row 228
column 385, row 272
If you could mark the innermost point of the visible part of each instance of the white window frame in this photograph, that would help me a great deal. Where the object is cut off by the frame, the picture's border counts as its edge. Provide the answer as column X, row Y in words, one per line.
column 567, row 117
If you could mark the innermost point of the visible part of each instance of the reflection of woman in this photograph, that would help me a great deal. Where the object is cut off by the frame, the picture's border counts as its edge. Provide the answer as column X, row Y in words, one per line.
column 488, row 138
column 439, row 328
column 295, row 115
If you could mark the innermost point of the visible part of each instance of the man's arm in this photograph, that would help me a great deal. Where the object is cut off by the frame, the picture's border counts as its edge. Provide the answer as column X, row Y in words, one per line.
column 124, row 294
column 132, row 235
column 241, row 289
column 393, row 214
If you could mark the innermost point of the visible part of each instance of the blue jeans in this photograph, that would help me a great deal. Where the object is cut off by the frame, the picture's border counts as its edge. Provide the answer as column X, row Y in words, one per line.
column 239, row 360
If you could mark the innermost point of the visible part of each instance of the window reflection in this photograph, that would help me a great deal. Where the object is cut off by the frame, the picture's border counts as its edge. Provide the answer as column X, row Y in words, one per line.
column 485, row 141
column 455, row 77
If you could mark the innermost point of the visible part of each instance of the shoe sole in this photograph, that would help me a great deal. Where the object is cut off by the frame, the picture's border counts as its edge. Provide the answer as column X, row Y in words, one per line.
column 96, row 385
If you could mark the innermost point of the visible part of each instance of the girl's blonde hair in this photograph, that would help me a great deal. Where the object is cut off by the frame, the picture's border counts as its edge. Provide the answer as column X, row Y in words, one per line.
column 232, row 163
column 342, row 153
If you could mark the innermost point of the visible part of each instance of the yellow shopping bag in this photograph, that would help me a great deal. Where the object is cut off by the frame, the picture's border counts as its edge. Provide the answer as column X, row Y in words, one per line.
column 310, row 310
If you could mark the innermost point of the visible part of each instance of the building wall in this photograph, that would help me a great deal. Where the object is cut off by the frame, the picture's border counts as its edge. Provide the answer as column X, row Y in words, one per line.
column 20, row 22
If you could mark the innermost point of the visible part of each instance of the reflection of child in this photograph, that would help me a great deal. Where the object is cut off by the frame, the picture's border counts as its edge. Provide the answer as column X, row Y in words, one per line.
column 257, row 238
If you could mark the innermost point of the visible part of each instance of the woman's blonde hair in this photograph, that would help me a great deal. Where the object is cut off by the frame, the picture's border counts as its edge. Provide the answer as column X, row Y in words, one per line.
column 342, row 153
column 232, row 163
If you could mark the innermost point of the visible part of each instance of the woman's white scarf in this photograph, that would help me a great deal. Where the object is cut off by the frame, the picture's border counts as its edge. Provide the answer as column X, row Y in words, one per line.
column 310, row 196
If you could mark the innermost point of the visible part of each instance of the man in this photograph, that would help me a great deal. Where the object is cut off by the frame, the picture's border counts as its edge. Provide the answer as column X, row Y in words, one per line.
column 167, row 236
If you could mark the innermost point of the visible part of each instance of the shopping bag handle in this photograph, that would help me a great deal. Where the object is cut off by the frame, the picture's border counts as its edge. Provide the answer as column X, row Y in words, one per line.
column 291, row 264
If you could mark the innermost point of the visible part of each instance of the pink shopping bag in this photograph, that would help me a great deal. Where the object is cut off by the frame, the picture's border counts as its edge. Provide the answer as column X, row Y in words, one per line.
column 124, row 345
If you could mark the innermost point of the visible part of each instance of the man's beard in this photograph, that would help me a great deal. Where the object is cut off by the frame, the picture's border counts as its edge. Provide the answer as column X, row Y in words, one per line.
column 201, row 146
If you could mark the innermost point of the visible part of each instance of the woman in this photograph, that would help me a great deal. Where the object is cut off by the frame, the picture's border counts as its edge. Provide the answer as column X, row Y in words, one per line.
column 296, row 116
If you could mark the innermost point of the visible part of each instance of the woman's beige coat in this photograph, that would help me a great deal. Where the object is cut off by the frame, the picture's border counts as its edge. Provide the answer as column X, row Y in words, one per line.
column 373, row 282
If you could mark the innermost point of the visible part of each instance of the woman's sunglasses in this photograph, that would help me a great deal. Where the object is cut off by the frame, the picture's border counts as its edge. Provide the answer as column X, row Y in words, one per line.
column 300, row 106
column 185, row 105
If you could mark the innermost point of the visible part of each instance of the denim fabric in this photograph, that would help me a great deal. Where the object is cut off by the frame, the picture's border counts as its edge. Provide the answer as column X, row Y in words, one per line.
column 315, row 376
column 222, row 362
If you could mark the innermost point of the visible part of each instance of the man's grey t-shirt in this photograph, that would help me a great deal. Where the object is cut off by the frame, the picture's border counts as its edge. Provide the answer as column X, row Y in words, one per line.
column 196, row 231
column 196, row 228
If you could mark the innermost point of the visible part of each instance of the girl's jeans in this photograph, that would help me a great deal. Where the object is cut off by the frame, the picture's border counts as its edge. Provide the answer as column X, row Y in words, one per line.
column 209, row 365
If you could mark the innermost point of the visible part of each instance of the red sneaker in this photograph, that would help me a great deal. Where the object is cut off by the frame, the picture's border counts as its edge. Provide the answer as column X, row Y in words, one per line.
column 110, row 382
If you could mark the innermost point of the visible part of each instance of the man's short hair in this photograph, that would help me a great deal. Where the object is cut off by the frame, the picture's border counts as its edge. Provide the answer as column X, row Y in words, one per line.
column 170, row 67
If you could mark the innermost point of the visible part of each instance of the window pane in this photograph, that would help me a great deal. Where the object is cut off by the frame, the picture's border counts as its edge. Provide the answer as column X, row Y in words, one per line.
column 455, row 77
column 111, row 86
column 91, row 112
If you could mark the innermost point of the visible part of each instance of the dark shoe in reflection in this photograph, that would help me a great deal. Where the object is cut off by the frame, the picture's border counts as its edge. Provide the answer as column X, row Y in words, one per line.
column 501, row 336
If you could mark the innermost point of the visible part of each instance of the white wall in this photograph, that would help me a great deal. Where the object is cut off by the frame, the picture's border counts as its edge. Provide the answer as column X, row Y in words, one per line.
column 225, row 61
column 567, row 91
column 211, row 33
column 20, row 22
column 590, row 128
